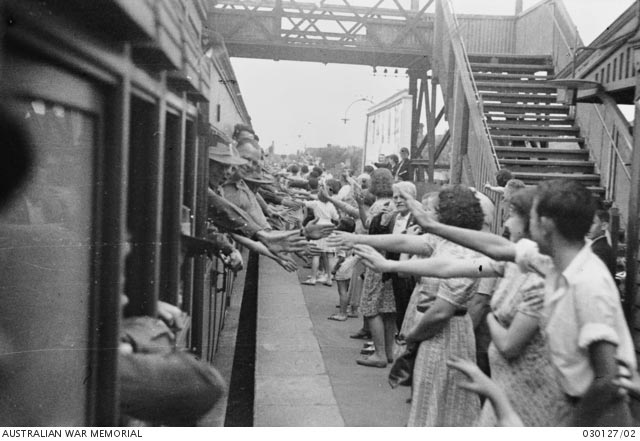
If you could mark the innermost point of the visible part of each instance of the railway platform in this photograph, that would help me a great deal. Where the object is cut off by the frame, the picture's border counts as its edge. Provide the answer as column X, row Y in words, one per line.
column 305, row 370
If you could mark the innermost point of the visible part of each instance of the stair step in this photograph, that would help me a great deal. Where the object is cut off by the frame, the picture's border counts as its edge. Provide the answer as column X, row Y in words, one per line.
column 511, row 67
column 530, row 128
column 537, row 86
column 534, row 152
column 523, row 129
column 596, row 190
column 550, row 124
column 523, row 118
column 510, row 58
column 552, row 166
column 590, row 178
column 534, row 138
column 554, row 109
column 518, row 97
column 510, row 77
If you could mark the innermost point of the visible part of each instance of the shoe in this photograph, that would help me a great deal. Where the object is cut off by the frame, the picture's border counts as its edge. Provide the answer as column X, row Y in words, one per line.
column 352, row 314
column 371, row 363
column 323, row 279
column 328, row 283
column 361, row 335
column 368, row 351
column 338, row 317
column 310, row 281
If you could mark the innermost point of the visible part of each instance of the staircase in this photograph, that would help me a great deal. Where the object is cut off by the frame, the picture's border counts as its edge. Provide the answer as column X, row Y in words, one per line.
column 534, row 137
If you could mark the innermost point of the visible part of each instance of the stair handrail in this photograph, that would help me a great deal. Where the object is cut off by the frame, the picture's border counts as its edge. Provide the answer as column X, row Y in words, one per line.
column 613, row 143
column 462, row 58
column 576, row 36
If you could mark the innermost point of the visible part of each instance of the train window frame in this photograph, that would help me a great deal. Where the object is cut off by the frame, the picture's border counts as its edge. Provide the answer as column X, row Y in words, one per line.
column 29, row 79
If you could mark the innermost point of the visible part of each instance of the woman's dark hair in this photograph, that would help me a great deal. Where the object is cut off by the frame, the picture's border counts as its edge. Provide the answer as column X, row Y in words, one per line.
column 368, row 169
column 458, row 206
column 294, row 169
column 304, row 169
column 314, row 174
column 318, row 170
column 346, row 224
column 333, row 185
column 521, row 202
column 381, row 183
column 394, row 158
column 313, row 183
column 569, row 204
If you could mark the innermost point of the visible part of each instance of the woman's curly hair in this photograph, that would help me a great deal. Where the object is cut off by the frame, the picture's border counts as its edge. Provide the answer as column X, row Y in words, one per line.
column 381, row 183
column 458, row 206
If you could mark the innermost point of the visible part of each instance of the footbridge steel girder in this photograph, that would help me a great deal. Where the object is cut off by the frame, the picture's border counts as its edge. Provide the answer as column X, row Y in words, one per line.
column 395, row 33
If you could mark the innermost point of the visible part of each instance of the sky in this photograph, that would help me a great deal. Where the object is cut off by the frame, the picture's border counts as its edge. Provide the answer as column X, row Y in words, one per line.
column 302, row 104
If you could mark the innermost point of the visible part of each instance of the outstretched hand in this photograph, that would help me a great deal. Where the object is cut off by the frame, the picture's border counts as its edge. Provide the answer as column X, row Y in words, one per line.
column 233, row 261
column 282, row 241
column 371, row 258
column 286, row 262
column 314, row 231
column 340, row 239
column 422, row 217
column 479, row 383
column 628, row 380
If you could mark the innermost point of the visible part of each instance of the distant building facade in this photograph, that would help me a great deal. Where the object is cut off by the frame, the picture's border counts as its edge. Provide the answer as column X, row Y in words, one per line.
column 388, row 127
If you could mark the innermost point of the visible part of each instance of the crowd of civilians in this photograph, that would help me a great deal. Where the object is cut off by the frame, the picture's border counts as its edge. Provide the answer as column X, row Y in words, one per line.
column 524, row 327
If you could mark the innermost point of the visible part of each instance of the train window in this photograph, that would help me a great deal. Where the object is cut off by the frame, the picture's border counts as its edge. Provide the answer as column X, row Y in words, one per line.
column 46, row 252
column 142, row 211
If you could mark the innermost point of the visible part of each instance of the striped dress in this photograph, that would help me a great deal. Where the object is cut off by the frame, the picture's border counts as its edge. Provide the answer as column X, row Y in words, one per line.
column 436, row 399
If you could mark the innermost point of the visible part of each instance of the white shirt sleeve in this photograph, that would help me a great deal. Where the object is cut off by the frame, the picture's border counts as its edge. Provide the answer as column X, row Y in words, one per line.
column 529, row 258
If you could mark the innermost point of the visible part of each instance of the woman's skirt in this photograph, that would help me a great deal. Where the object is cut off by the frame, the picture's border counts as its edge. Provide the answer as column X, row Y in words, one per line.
column 530, row 384
column 357, row 282
column 437, row 400
column 377, row 296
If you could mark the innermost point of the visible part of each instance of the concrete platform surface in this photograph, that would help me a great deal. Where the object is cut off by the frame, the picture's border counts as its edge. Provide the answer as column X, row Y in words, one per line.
column 306, row 373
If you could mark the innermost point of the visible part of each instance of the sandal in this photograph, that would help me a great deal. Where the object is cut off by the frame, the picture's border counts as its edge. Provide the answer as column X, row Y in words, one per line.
column 310, row 281
column 338, row 317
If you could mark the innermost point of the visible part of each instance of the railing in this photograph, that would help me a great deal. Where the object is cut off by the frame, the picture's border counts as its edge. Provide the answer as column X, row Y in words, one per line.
column 610, row 144
column 452, row 53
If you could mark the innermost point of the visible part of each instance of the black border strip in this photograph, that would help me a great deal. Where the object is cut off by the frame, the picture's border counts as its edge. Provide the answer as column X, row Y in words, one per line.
column 242, row 383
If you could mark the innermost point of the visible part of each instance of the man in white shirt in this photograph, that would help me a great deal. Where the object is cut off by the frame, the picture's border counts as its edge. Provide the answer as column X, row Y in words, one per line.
column 582, row 316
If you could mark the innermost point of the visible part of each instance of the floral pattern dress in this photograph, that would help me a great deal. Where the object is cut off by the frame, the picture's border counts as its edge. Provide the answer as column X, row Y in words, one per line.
column 436, row 399
column 528, row 379
column 377, row 296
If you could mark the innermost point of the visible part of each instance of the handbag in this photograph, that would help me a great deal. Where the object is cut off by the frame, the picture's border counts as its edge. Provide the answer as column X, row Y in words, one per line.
column 401, row 373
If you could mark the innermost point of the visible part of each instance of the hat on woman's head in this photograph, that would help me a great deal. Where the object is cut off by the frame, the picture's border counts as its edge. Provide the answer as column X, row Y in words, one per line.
column 225, row 154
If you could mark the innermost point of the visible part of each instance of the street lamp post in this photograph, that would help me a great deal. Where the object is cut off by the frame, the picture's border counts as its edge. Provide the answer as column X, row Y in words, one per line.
column 345, row 119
